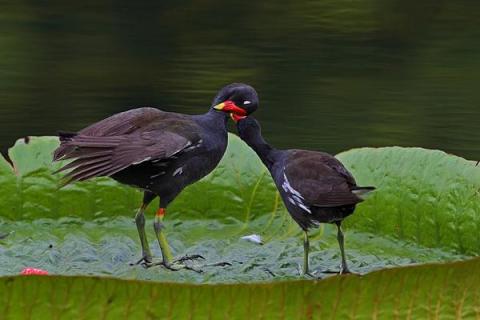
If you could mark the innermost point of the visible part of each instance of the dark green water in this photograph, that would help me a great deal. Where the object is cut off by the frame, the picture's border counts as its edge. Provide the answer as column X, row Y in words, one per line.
column 331, row 75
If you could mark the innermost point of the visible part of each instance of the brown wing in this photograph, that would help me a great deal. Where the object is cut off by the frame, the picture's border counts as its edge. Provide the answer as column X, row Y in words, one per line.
column 320, row 179
column 130, row 121
column 123, row 140
column 119, row 124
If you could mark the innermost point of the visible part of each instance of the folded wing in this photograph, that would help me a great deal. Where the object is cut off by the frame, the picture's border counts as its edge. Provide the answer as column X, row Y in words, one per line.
column 124, row 140
column 321, row 180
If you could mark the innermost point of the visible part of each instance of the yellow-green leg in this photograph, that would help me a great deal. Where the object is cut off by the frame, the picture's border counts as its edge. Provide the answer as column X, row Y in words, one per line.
column 140, row 222
column 158, row 226
column 167, row 258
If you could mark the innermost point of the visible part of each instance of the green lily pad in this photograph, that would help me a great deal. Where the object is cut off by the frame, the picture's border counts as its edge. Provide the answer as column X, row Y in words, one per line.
column 425, row 210
column 425, row 196
column 432, row 291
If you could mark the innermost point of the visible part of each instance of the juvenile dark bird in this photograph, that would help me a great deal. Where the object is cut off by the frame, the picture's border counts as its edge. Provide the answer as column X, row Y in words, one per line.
column 315, row 186
column 157, row 151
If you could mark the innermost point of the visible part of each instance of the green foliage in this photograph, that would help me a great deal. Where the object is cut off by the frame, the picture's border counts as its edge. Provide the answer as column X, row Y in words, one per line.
column 419, row 292
column 425, row 196
column 240, row 188
column 69, row 246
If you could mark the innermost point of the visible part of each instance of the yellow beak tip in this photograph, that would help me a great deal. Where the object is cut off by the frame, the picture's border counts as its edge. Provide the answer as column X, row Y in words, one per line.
column 219, row 106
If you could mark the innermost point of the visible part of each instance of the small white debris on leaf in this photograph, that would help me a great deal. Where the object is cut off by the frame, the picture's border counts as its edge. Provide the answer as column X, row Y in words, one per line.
column 255, row 238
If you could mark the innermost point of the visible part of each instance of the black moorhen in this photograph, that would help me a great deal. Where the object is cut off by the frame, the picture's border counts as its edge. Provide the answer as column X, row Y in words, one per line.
column 315, row 187
column 157, row 151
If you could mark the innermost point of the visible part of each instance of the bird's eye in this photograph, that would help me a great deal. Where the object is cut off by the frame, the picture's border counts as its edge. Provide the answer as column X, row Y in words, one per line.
column 246, row 102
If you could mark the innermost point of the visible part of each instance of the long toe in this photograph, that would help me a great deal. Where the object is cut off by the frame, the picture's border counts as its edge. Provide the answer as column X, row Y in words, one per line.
column 344, row 271
column 348, row 271
column 145, row 261
column 177, row 266
column 312, row 275
column 219, row 264
column 189, row 258
column 329, row 271
column 194, row 257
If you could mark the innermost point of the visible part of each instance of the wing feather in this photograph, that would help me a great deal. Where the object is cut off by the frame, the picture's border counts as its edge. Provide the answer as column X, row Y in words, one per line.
column 124, row 140
column 321, row 179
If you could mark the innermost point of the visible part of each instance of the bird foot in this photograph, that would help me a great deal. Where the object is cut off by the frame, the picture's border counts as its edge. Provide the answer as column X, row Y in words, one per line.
column 219, row 264
column 341, row 271
column 200, row 257
column 312, row 275
column 307, row 273
column 176, row 266
column 145, row 261
column 345, row 271
column 179, row 263
column 187, row 257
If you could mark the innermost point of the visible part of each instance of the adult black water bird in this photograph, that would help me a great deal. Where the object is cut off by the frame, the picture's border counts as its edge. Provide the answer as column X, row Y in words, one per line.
column 157, row 151
column 315, row 186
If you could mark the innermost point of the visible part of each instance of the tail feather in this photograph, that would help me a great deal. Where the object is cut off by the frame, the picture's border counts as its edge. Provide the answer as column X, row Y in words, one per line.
column 362, row 192
column 66, row 136
column 91, row 156
column 83, row 162
column 65, row 148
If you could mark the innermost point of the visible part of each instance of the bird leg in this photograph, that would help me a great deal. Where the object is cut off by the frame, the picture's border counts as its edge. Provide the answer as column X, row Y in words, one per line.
column 140, row 222
column 344, row 268
column 306, row 249
column 167, row 258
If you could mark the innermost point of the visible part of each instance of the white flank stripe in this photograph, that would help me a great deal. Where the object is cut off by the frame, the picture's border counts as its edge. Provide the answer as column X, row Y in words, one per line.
column 178, row 171
column 146, row 159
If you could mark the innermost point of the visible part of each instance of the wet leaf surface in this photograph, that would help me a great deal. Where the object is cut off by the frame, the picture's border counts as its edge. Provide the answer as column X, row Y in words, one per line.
column 78, row 247
column 425, row 210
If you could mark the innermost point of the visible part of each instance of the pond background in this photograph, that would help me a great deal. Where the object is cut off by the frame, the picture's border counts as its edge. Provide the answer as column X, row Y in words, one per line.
column 331, row 75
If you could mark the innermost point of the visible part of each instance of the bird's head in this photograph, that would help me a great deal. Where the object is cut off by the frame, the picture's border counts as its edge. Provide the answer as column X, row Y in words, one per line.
column 248, row 128
column 237, row 99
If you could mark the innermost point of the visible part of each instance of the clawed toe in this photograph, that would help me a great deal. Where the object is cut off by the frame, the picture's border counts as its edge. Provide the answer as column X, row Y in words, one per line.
column 145, row 261
column 328, row 271
column 189, row 258
column 176, row 266
column 312, row 275
column 179, row 263
column 339, row 272
column 345, row 271
column 219, row 264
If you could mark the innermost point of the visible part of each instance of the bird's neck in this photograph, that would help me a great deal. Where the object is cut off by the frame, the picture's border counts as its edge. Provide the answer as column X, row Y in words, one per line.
column 263, row 149
column 213, row 119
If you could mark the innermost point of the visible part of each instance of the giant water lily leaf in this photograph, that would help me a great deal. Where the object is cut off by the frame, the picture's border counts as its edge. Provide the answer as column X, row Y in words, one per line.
column 9, row 198
column 239, row 188
column 449, row 291
column 426, row 196
column 88, row 227
column 69, row 246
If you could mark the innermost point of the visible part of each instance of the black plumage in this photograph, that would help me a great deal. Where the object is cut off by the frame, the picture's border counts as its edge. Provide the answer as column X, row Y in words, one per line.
column 157, row 151
column 315, row 186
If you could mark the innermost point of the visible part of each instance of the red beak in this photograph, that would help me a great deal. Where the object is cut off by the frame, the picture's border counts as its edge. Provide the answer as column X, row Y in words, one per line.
column 230, row 107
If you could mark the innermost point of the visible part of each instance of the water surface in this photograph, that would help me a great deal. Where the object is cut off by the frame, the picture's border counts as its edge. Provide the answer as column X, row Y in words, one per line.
column 331, row 75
